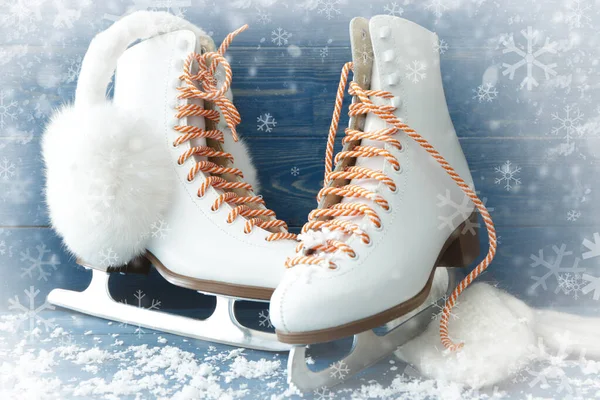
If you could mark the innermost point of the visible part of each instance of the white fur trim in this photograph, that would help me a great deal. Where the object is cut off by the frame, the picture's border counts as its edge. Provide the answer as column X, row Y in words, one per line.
column 105, row 49
column 108, row 181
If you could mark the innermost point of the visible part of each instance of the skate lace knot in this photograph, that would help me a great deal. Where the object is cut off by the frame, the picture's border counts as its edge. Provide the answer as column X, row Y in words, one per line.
column 321, row 250
column 221, row 175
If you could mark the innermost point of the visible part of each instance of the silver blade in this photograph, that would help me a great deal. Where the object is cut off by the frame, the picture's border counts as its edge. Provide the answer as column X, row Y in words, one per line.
column 367, row 347
column 221, row 327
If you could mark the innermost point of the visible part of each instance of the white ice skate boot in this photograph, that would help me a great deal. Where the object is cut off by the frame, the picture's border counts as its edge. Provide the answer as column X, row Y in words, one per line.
column 370, row 250
column 149, row 176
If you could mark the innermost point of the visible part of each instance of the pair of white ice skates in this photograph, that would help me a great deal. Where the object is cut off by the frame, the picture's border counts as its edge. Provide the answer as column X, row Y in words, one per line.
column 162, row 152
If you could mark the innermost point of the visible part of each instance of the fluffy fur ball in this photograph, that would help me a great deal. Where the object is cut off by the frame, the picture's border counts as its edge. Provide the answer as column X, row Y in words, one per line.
column 108, row 180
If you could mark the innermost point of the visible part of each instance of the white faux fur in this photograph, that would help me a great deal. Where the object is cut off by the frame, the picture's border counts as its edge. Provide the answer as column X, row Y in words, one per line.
column 108, row 176
column 501, row 336
column 108, row 180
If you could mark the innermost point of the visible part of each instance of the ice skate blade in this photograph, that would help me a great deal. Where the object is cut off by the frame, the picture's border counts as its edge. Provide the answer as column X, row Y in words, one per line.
column 367, row 347
column 220, row 327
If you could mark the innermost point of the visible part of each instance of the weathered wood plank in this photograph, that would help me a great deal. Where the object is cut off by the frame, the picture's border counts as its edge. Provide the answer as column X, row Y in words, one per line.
column 291, row 169
column 511, row 269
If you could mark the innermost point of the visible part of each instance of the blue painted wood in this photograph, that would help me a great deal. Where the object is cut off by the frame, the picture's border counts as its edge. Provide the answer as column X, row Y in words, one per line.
column 21, row 249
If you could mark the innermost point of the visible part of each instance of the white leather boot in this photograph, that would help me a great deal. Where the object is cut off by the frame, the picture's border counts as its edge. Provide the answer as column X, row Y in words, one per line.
column 150, row 176
column 370, row 250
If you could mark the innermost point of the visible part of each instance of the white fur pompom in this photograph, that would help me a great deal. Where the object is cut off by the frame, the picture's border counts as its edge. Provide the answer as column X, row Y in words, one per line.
column 108, row 181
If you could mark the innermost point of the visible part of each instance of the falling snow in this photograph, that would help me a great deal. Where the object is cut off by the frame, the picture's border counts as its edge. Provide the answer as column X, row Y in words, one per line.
column 529, row 57
column 554, row 266
column 339, row 369
column 416, row 71
column 7, row 169
column 108, row 258
column 7, row 109
column 592, row 286
column 329, row 8
column 573, row 215
column 266, row 122
column 154, row 305
column 508, row 175
column 578, row 14
column 568, row 124
column 439, row 45
column 160, row 229
column 486, row 93
column 593, row 247
column 393, row 9
column 437, row 7
column 31, row 313
column 280, row 36
column 264, row 319
column 42, row 264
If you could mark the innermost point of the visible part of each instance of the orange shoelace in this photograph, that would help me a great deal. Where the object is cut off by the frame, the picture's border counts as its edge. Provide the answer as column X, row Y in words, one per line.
column 203, row 85
column 363, row 106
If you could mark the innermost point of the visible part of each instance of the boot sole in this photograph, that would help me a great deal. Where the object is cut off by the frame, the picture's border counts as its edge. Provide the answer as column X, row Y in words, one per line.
column 142, row 265
column 459, row 250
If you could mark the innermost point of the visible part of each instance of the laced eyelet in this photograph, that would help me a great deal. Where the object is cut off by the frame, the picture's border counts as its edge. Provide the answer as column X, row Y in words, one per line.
column 395, row 190
column 387, row 210
column 397, row 170
column 214, row 210
column 369, row 243
column 378, row 228
column 333, row 267
column 354, row 257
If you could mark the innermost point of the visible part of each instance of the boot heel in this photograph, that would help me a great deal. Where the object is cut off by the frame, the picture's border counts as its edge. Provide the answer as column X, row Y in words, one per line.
column 139, row 265
column 464, row 249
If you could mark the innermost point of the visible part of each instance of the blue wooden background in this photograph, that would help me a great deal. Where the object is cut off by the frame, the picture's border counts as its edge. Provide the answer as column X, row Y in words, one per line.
column 287, row 65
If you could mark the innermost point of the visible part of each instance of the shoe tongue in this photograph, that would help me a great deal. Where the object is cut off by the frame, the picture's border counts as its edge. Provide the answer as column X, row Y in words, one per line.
column 148, row 71
column 365, row 74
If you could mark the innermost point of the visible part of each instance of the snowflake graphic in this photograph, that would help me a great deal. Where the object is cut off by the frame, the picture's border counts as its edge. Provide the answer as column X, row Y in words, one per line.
column 328, row 8
column 339, row 370
column 324, row 52
column 280, row 36
column 323, row 394
column 573, row 215
column 393, row 9
column 365, row 55
column 554, row 266
column 7, row 109
column 2, row 247
column 416, row 71
column 570, row 284
column 437, row 7
column 264, row 319
column 74, row 67
column 486, row 92
column 7, row 169
column 154, row 305
column 461, row 213
column 593, row 247
column 43, row 263
column 439, row 306
column 266, row 122
column 578, row 14
column 67, row 340
column 65, row 17
column 160, row 229
column 508, row 174
column 593, row 285
column 439, row 45
column 295, row 171
column 263, row 17
column 569, row 124
column 553, row 367
column 529, row 57
column 176, row 7
column 31, row 313
column 108, row 258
